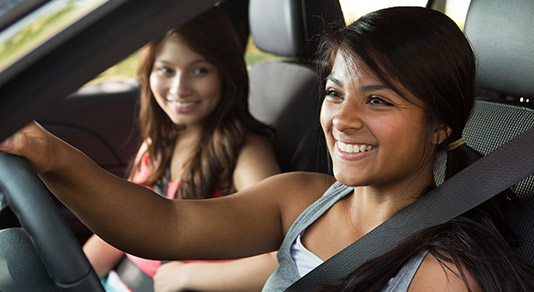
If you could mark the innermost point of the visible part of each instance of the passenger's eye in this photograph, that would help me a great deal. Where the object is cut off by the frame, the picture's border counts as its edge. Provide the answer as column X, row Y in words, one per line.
column 200, row 70
column 376, row 100
column 165, row 70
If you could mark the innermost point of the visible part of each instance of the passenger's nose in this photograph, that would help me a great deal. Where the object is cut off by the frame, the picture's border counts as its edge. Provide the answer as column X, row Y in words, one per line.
column 180, row 85
column 348, row 117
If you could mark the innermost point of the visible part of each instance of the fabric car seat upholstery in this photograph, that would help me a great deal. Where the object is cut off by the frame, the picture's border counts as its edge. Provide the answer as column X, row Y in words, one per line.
column 492, row 124
column 284, row 93
column 501, row 35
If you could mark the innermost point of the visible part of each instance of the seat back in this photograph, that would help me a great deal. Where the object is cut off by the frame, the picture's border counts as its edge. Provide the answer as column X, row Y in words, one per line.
column 284, row 94
column 501, row 35
column 492, row 124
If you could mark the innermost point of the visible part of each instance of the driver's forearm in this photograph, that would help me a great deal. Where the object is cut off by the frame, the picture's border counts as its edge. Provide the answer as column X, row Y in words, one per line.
column 99, row 198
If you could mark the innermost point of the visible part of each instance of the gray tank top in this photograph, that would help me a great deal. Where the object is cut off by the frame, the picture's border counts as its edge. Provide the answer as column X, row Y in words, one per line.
column 287, row 272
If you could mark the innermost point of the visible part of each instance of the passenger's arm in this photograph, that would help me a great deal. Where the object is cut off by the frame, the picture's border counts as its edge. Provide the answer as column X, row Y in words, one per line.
column 256, row 162
column 248, row 274
column 102, row 256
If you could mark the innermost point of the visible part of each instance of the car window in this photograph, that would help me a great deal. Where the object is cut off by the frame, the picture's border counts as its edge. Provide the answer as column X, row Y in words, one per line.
column 455, row 9
column 126, row 69
column 44, row 28
column 352, row 10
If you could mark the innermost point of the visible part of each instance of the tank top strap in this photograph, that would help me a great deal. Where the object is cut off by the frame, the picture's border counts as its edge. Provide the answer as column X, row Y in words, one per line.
column 287, row 272
column 401, row 282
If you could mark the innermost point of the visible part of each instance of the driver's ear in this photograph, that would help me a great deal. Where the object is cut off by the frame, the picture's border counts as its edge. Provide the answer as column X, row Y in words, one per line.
column 441, row 132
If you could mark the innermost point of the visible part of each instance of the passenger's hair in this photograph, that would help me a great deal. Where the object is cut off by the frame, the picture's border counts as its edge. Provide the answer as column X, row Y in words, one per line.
column 211, row 166
column 423, row 52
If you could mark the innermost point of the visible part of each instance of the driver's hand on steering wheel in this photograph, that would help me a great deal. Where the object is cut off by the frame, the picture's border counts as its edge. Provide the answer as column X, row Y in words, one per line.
column 36, row 144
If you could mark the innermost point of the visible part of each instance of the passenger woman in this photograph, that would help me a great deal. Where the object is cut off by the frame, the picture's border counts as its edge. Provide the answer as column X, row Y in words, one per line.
column 199, row 141
column 398, row 88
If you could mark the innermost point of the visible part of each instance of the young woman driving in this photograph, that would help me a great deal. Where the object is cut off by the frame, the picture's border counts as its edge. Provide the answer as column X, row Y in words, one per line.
column 398, row 88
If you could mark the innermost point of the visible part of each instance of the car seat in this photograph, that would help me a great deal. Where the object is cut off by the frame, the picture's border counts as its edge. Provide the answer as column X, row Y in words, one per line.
column 284, row 93
column 501, row 35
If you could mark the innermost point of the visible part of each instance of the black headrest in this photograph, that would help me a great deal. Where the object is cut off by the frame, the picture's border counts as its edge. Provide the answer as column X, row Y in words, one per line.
column 291, row 28
column 502, row 35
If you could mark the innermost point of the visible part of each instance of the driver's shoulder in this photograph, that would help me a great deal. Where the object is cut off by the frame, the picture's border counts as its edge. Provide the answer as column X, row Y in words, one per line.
column 296, row 191
column 304, row 186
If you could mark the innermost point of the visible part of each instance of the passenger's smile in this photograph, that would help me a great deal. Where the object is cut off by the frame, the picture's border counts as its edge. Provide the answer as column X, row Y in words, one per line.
column 183, row 106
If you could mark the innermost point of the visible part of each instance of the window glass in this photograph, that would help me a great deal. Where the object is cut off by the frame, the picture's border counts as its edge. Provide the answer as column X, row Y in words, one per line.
column 352, row 10
column 41, row 26
column 125, row 69
column 253, row 55
column 457, row 10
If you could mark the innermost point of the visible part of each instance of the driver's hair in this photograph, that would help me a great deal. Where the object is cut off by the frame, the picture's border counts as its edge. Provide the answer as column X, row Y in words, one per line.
column 423, row 52
column 211, row 166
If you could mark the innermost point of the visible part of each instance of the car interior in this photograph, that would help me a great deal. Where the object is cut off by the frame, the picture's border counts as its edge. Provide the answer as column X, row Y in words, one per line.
column 283, row 93
column 505, row 66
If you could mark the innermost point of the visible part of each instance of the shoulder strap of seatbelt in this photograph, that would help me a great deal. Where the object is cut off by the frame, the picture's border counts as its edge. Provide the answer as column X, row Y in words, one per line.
column 472, row 186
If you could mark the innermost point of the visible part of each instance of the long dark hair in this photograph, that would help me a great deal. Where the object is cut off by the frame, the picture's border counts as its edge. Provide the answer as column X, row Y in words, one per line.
column 211, row 166
column 425, row 52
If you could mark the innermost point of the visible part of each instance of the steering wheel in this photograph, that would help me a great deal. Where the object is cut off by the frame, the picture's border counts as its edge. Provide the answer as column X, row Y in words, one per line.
column 53, row 241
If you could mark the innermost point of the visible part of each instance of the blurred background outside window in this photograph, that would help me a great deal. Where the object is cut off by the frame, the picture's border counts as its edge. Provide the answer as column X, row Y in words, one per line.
column 352, row 10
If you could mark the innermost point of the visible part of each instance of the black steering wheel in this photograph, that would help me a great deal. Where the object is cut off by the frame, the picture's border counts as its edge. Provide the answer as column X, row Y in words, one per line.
column 53, row 241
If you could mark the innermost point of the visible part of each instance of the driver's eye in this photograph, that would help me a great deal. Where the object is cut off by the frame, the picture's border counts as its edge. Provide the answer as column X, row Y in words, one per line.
column 376, row 100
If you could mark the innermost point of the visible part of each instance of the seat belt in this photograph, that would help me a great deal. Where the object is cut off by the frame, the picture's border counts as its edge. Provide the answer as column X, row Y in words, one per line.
column 134, row 277
column 477, row 183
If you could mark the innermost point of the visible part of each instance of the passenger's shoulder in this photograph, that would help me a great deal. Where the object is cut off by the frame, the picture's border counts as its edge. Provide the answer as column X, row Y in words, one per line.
column 252, row 138
column 256, row 162
column 255, row 144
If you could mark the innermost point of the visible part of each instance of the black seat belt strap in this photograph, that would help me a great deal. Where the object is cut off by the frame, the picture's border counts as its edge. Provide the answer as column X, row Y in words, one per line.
column 472, row 186
column 133, row 276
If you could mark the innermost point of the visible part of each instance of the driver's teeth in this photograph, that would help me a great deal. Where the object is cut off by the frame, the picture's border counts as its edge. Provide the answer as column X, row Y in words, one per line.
column 353, row 148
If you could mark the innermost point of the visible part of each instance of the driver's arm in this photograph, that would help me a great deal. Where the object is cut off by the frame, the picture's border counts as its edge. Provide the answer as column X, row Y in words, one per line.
column 243, row 224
